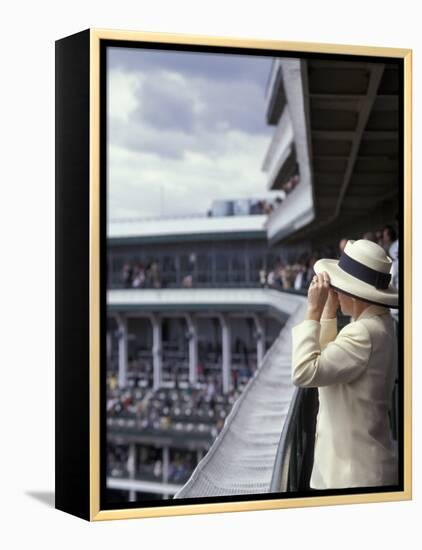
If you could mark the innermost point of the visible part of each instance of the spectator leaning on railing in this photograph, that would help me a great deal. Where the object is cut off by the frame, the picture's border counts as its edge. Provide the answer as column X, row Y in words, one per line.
column 354, row 369
column 388, row 239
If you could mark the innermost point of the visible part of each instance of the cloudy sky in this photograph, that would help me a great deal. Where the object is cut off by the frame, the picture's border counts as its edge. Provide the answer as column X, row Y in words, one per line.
column 184, row 129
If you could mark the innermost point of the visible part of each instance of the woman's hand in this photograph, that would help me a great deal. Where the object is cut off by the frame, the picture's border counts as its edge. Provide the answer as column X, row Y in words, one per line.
column 317, row 296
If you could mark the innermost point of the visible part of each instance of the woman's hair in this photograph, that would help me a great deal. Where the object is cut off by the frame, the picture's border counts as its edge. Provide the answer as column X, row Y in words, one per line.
column 391, row 232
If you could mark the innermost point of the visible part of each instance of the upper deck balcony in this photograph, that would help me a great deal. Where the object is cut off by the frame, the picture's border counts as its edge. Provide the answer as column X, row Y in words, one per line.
column 339, row 133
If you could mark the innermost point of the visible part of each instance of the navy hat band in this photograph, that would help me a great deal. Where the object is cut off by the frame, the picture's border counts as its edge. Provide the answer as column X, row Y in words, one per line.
column 378, row 279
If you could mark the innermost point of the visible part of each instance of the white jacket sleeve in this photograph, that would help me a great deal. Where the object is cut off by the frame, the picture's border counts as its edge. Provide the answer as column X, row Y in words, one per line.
column 328, row 331
column 341, row 361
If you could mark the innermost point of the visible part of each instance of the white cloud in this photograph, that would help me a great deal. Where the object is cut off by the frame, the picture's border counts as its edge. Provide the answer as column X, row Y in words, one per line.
column 144, row 185
column 179, row 141
column 121, row 92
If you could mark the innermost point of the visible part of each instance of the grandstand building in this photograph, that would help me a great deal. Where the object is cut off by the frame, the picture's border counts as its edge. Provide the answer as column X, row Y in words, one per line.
column 192, row 311
column 199, row 392
column 336, row 133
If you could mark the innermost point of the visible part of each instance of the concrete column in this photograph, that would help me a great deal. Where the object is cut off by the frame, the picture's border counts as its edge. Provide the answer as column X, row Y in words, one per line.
column 193, row 348
column 247, row 266
column 131, row 466
column 166, row 464
column 226, row 349
column 108, row 346
column 260, row 339
column 123, row 359
column 157, row 351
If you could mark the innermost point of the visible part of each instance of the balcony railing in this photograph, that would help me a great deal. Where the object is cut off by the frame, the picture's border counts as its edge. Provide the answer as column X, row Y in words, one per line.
column 294, row 459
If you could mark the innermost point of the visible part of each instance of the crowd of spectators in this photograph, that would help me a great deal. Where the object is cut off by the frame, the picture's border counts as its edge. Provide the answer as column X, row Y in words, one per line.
column 267, row 207
column 175, row 371
column 388, row 238
column 283, row 275
column 290, row 184
column 197, row 409
column 180, row 467
column 149, row 463
column 185, row 410
column 297, row 274
column 137, row 275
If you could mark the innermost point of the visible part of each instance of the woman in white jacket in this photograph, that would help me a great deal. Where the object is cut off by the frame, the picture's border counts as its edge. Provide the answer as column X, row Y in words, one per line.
column 354, row 369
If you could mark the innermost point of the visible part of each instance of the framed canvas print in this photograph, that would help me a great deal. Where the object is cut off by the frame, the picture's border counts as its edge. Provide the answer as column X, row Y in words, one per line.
column 233, row 274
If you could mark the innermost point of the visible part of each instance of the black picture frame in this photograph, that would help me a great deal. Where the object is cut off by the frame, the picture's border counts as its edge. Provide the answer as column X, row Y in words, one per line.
column 81, row 275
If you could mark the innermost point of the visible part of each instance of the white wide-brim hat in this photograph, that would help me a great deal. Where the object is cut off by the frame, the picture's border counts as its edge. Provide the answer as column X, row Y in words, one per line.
column 363, row 271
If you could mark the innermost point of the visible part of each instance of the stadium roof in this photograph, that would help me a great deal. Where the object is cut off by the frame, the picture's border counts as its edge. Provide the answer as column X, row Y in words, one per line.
column 352, row 111
column 187, row 228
